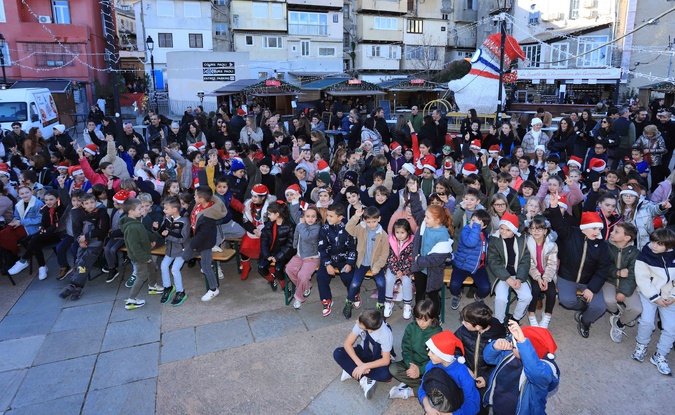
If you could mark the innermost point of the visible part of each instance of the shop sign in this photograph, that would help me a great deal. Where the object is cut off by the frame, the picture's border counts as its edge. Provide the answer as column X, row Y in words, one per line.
column 569, row 74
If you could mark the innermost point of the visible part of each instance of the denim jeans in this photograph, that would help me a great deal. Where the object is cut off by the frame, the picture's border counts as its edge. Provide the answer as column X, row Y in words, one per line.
column 355, row 285
column 323, row 280
column 173, row 271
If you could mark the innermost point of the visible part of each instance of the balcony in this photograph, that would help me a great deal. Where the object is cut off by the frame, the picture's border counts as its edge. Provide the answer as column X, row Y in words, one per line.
column 462, row 42
column 465, row 15
column 331, row 4
column 382, row 6
column 366, row 30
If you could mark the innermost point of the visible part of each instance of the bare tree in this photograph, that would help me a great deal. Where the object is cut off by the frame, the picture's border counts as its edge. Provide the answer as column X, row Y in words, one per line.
column 426, row 57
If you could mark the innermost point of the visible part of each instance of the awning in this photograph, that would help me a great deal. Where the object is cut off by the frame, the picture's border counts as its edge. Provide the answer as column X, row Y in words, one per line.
column 397, row 85
column 660, row 87
column 234, row 87
column 308, row 74
column 323, row 84
column 57, row 86
column 548, row 36
column 355, row 93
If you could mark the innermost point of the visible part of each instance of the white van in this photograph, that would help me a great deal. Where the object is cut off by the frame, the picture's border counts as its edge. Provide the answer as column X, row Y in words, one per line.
column 32, row 107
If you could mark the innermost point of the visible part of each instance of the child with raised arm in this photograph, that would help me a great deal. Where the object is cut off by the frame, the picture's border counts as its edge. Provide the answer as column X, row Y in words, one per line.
column 368, row 361
column 176, row 231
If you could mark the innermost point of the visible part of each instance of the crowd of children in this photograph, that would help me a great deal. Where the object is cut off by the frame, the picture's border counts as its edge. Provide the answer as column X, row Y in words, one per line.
column 503, row 209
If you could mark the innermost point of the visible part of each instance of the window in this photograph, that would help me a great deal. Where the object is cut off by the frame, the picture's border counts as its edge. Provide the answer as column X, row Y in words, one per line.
column 345, row 11
column 421, row 53
column 196, row 40
column 411, row 6
column 61, row 10
column 303, row 23
column 272, row 42
column 165, row 8
column 221, row 2
column 5, row 53
column 574, row 9
column 165, row 40
column 49, row 54
column 415, row 26
column 3, row 18
column 560, row 51
column 277, row 11
column 390, row 52
column 386, row 23
column 304, row 48
column 346, row 40
column 260, row 10
column 248, row 40
column 599, row 57
column 192, row 9
column 472, row 4
column 326, row 51
column 336, row 18
column 221, row 29
column 533, row 55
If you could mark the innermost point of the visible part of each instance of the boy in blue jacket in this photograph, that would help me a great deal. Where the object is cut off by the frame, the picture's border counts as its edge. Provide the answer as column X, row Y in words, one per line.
column 526, row 361
column 337, row 252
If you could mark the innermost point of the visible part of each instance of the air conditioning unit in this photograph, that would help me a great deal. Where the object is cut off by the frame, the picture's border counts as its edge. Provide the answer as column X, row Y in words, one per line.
column 45, row 19
column 552, row 17
column 589, row 4
column 592, row 14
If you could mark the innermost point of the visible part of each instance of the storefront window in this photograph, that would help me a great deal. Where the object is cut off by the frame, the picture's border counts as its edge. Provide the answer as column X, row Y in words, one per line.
column 533, row 55
column 596, row 58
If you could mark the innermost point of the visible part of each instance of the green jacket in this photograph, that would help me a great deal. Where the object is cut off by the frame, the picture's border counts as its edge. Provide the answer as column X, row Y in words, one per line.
column 136, row 239
column 623, row 258
column 414, row 345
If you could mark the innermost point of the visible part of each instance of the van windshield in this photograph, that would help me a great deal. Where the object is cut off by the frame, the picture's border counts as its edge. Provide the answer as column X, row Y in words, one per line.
column 13, row 111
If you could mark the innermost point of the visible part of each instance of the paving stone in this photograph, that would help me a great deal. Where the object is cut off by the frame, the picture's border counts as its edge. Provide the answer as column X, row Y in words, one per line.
column 19, row 353
column 311, row 316
column 223, row 335
column 63, row 406
column 9, row 384
column 347, row 398
column 55, row 380
column 151, row 308
column 178, row 345
column 83, row 316
column 29, row 301
column 136, row 397
column 126, row 365
column 29, row 324
column 131, row 333
column 94, row 292
column 275, row 323
column 69, row 344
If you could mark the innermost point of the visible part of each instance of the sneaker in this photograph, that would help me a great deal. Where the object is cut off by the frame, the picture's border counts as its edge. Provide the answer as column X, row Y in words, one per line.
column 544, row 321
column 67, row 292
column 327, row 305
column 221, row 274
column 477, row 299
column 155, row 289
column 400, row 393
column 105, row 270
column 130, row 281
column 18, row 267
column 274, row 284
column 388, row 308
column 583, row 329
column 134, row 303
column 179, row 298
column 345, row 376
column 577, row 316
column 210, row 295
column 616, row 333
column 77, row 293
column 368, row 386
column 307, row 292
column 661, row 364
column 63, row 273
column 407, row 311
column 297, row 304
column 347, row 311
column 533, row 321
column 42, row 273
column 639, row 352
column 166, row 294
column 357, row 301
column 454, row 304
column 379, row 306
column 216, row 249
column 113, row 274
column 630, row 323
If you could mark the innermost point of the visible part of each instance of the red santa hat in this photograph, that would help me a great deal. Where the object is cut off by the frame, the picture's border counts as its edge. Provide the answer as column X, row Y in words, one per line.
column 394, row 146
column 597, row 165
column 591, row 220
column 322, row 166
column 447, row 164
column 241, row 112
column 430, row 166
column 75, row 170
column 195, row 182
column 259, row 190
column 294, row 188
column 574, row 160
column 469, row 168
column 196, row 146
column 630, row 189
column 123, row 195
column 475, row 145
column 63, row 165
column 511, row 48
column 494, row 148
column 444, row 345
column 511, row 222
column 4, row 169
column 91, row 149
column 562, row 201
column 541, row 340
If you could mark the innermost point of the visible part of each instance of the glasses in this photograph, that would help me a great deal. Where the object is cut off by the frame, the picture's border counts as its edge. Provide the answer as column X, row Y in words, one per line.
column 604, row 121
column 499, row 205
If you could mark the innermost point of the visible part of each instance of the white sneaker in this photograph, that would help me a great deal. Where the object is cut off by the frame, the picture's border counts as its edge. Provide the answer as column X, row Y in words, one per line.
column 345, row 376
column 217, row 248
column 18, row 267
column 368, row 386
column 210, row 295
column 155, row 289
column 297, row 304
column 42, row 273
column 533, row 321
column 307, row 292
column 398, row 392
column 544, row 321
column 407, row 311
column 221, row 275
column 134, row 303
column 388, row 308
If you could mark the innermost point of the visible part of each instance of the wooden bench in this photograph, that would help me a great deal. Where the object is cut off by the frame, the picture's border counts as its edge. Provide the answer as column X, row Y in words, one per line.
column 447, row 276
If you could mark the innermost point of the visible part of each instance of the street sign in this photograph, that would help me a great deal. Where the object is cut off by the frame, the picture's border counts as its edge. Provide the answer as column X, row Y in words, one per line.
column 219, row 78
column 218, row 71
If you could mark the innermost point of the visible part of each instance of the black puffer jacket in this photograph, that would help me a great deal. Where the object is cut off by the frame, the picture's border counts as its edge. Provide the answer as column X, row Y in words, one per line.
column 280, row 244
column 473, row 347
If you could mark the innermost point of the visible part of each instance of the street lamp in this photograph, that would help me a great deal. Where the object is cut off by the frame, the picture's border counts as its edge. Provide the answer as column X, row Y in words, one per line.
column 502, row 30
column 151, row 45
column 2, row 61
column 200, row 94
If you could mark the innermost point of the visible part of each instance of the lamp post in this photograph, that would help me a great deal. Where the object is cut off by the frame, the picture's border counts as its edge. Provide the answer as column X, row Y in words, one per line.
column 502, row 31
column 151, row 45
column 2, row 61
column 200, row 94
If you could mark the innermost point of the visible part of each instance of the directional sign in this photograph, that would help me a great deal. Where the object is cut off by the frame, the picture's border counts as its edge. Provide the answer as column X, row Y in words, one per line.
column 218, row 71
column 219, row 78
column 218, row 64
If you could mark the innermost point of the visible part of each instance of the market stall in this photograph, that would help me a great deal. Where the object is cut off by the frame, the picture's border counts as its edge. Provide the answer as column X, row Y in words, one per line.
column 405, row 93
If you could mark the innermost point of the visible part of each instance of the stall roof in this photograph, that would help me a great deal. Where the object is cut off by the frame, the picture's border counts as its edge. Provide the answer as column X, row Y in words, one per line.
column 322, row 84
column 234, row 87
column 660, row 87
column 302, row 73
column 262, row 89
column 406, row 85
column 355, row 93
column 53, row 86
